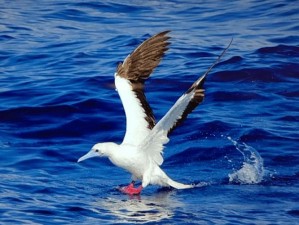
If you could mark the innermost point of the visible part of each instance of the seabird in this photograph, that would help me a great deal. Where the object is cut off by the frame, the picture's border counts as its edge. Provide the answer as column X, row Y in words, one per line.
column 140, row 152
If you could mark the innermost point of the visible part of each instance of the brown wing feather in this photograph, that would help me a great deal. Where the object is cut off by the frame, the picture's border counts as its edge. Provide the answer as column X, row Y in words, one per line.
column 144, row 59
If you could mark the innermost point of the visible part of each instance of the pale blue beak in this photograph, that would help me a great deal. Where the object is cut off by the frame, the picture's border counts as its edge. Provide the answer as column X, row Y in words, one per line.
column 88, row 155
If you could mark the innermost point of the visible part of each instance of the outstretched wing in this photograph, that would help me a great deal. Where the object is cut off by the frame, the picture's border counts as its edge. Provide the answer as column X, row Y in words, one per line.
column 153, row 144
column 188, row 101
column 129, row 81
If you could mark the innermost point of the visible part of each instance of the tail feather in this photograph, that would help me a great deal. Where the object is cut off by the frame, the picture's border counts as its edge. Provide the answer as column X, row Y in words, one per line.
column 178, row 185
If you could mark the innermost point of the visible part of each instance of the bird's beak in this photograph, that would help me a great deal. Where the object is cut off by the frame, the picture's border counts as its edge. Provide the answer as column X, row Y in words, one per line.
column 89, row 154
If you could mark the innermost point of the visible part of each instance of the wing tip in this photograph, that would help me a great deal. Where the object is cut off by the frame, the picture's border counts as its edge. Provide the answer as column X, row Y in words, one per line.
column 152, row 50
column 198, row 84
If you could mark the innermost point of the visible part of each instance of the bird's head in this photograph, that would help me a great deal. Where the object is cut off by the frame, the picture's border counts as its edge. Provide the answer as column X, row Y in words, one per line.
column 99, row 149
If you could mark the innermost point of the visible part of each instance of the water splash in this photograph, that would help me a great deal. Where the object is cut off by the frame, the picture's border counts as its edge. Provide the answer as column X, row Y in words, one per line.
column 252, row 170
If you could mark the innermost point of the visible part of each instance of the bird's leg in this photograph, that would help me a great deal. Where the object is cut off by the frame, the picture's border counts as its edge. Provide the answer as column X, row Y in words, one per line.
column 131, row 190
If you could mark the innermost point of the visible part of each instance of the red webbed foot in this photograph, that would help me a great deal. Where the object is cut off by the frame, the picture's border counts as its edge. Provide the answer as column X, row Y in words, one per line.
column 130, row 190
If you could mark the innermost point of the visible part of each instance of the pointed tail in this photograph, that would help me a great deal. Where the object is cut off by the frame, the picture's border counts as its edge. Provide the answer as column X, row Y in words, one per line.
column 178, row 185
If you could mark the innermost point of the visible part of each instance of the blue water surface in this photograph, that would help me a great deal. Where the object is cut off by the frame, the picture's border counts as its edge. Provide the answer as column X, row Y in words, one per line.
column 240, row 146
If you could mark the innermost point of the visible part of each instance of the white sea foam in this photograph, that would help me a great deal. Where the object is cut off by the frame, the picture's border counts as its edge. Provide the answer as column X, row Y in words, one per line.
column 252, row 170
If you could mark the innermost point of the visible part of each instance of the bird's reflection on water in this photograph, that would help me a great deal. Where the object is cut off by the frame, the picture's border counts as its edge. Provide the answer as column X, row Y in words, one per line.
column 142, row 209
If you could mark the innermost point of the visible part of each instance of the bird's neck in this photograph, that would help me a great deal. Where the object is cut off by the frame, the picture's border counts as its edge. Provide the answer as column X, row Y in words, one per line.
column 111, row 149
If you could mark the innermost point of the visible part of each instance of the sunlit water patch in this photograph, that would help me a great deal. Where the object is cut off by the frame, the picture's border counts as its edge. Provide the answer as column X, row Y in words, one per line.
column 137, row 210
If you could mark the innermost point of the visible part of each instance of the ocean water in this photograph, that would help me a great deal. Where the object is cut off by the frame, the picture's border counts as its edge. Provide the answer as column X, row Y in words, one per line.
column 240, row 146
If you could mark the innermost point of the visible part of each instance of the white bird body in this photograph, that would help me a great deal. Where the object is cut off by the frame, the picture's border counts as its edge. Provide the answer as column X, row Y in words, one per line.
column 140, row 153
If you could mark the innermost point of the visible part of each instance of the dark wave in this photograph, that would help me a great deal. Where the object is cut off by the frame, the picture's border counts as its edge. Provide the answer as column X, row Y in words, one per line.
column 199, row 154
column 282, row 180
column 26, row 114
column 248, row 75
column 236, row 96
column 6, row 37
column 256, row 134
column 294, row 212
column 284, row 50
column 232, row 60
